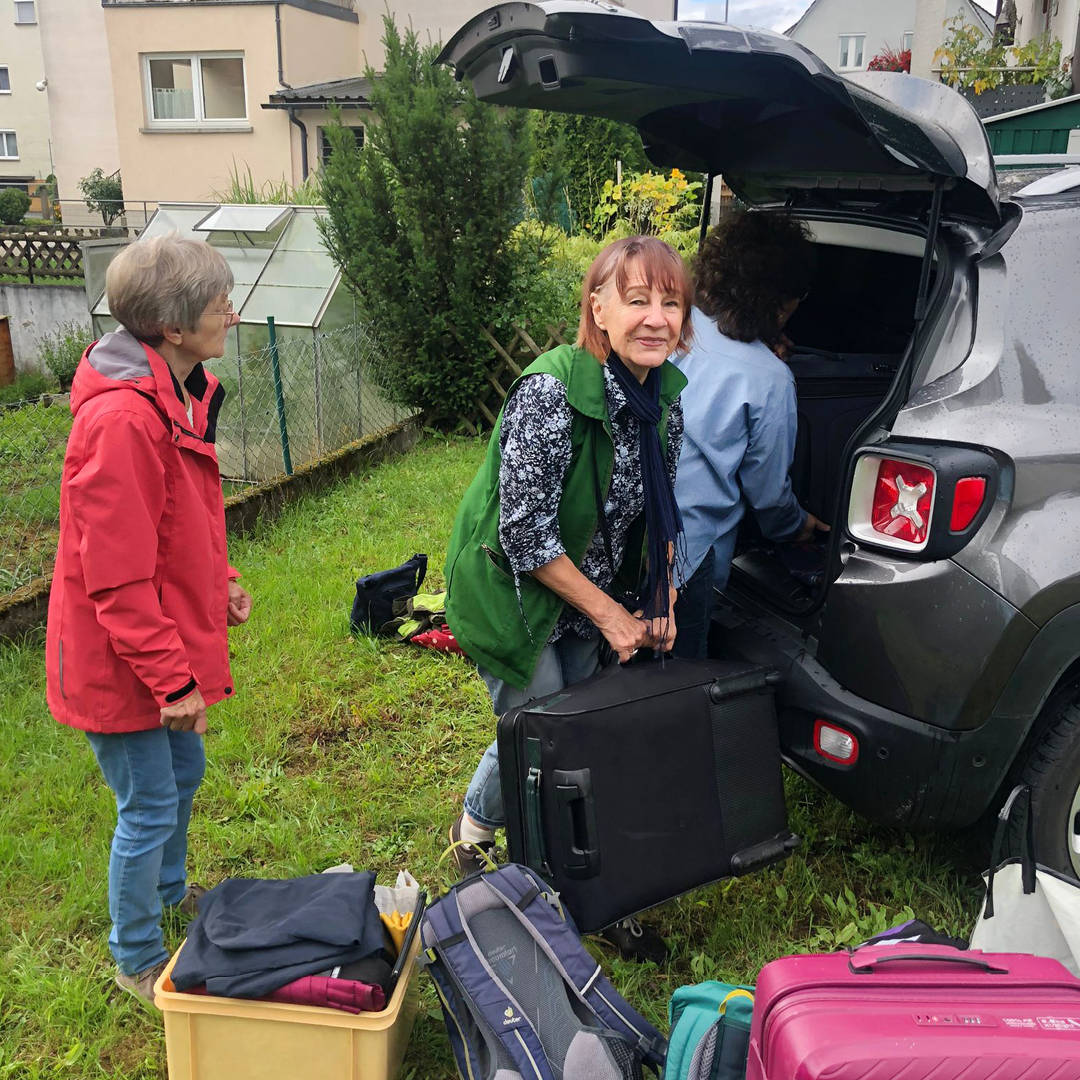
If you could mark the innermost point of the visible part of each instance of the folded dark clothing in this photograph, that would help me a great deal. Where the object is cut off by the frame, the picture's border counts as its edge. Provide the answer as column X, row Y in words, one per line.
column 344, row 994
column 376, row 970
column 253, row 936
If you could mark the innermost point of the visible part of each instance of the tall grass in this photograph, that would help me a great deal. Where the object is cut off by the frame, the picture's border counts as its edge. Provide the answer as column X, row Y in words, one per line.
column 243, row 189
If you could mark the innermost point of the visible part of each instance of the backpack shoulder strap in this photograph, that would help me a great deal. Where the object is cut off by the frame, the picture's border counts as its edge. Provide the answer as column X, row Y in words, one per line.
column 526, row 892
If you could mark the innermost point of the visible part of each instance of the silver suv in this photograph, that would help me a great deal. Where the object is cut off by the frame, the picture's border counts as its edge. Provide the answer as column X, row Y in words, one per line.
column 935, row 659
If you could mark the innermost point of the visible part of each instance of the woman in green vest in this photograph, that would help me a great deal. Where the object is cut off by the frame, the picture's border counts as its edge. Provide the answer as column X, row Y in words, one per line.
column 533, row 568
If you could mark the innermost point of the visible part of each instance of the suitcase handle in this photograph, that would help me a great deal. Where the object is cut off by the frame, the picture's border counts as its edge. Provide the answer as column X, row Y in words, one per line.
column 867, row 966
column 580, row 849
column 535, row 855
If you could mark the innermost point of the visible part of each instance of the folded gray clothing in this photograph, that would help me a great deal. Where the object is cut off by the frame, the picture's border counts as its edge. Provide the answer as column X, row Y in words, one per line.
column 253, row 936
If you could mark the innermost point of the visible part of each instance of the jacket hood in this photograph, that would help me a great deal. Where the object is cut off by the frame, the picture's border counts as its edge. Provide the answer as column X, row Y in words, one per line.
column 120, row 362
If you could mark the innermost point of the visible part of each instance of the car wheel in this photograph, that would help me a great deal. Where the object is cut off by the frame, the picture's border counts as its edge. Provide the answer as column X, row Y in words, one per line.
column 1052, row 770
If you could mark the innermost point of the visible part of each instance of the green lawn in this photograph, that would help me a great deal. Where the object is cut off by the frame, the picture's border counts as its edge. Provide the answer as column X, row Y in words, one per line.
column 32, row 443
column 337, row 749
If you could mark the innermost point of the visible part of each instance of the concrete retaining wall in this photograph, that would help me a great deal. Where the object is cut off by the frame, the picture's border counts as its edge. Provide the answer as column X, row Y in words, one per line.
column 36, row 310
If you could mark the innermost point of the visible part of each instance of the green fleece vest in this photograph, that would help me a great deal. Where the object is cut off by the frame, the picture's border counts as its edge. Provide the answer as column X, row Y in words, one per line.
column 500, row 633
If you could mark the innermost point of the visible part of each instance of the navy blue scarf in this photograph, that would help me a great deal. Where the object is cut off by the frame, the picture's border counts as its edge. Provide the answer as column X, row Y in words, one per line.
column 663, row 522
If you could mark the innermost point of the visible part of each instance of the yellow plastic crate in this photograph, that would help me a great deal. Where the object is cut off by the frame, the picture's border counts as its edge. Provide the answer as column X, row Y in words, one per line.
column 218, row 1038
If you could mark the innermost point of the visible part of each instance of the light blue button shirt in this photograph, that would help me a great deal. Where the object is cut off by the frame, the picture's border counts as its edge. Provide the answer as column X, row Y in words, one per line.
column 740, row 416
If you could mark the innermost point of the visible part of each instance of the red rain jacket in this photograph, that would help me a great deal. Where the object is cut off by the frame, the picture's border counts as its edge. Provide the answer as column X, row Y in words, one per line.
column 138, row 609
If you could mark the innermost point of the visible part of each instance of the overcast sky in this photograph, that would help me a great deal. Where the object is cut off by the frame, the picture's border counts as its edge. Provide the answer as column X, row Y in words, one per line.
column 771, row 14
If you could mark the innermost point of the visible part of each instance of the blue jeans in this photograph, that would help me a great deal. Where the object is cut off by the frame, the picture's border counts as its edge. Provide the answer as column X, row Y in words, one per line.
column 693, row 612
column 154, row 776
column 562, row 663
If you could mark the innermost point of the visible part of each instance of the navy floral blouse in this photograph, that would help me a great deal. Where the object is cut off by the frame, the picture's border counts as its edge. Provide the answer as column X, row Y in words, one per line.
column 535, row 446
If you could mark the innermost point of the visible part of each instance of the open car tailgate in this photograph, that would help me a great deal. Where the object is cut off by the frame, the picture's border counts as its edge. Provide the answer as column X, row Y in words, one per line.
column 749, row 104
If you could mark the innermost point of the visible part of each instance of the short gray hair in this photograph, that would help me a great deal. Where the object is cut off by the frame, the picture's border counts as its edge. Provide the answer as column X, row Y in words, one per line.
column 164, row 281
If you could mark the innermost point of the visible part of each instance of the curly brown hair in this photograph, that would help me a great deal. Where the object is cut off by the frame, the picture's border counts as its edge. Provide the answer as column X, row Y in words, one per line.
column 750, row 266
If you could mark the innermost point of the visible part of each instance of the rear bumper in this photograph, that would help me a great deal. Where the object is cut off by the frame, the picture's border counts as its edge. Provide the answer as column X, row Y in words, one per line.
column 908, row 772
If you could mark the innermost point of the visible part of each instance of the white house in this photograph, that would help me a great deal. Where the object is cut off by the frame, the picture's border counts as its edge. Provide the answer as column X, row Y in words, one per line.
column 848, row 34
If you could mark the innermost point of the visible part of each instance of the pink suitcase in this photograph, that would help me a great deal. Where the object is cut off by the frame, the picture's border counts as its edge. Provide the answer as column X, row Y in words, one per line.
column 915, row 1012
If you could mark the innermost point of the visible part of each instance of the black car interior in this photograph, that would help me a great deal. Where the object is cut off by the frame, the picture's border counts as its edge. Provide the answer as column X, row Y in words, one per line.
column 849, row 336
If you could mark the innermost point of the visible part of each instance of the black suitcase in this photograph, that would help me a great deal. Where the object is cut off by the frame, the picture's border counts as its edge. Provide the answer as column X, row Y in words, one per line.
column 643, row 782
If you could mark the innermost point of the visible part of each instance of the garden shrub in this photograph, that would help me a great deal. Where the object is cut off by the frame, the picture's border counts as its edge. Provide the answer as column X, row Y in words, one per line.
column 62, row 349
column 969, row 59
column 14, row 202
column 103, row 195
column 421, row 220
column 581, row 154
column 650, row 203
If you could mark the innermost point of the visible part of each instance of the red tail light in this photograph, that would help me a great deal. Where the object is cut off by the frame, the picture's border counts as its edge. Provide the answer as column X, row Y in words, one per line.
column 903, row 498
column 967, row 501
column 921, row 499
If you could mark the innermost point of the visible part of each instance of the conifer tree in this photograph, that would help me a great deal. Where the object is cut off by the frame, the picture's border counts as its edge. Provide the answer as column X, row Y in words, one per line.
column 421, row 220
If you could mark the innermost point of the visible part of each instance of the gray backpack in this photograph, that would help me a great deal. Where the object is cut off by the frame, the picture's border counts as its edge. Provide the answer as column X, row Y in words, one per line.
column 521, row 997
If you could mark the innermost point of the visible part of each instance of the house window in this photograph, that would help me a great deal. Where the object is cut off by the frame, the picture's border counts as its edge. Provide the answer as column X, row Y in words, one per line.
column 195, row 89
column 9, row 147
column 906, row 41
column 25, row 13
column 852, row 47
column 5, row 81
column 324, row 143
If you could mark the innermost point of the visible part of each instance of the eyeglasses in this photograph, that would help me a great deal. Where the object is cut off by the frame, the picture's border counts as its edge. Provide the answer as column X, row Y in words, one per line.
column 228, row 310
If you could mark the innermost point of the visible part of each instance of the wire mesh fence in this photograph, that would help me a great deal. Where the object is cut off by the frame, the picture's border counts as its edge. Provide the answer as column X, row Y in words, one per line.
column 286, row 405
column 297, row 400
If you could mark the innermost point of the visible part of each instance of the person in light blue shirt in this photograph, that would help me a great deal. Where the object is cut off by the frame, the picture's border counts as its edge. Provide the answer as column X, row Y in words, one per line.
column 739, row 406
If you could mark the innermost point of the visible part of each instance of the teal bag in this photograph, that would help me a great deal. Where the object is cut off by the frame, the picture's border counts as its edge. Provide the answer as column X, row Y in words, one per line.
column 710, row 1032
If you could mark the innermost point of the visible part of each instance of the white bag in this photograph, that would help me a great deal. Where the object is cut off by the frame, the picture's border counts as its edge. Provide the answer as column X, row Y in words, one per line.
column 1029, row 908
column 401, row 897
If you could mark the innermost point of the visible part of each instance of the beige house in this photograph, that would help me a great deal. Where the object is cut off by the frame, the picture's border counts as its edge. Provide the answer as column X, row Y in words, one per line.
column 25, row 144
column 80, row 97
column 207, row 89
column 56, row 100
column 190, row 79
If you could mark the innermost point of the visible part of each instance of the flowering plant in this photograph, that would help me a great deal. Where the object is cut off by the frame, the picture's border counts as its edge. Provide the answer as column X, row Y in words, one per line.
column 891, row 60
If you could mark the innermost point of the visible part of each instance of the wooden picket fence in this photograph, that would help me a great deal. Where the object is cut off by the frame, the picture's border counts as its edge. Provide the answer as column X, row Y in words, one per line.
column 509, row 361
column 45, row 254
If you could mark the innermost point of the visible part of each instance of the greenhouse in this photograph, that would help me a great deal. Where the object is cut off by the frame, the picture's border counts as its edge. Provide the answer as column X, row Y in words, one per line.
column 299, row 371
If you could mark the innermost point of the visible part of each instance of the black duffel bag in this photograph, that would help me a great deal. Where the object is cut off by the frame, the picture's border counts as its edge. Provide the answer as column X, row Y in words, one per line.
column 373, row 607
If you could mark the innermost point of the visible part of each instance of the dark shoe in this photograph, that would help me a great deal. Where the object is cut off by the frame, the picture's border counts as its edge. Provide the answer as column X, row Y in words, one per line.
column 635, row 941
column 469, row 858
column 189, row 903
column 142, row 985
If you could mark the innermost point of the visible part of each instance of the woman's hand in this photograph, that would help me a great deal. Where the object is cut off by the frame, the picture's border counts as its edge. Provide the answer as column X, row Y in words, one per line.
column 811, row 526
column 186, row 715
column 239, row 604
column 625, row 633
column 782, row 347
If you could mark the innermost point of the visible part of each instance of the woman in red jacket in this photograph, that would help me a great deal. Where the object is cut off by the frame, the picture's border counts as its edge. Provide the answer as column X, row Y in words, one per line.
column 142, row 593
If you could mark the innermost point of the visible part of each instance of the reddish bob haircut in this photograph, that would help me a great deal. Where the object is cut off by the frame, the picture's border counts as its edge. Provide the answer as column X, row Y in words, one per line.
column 658, row 263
